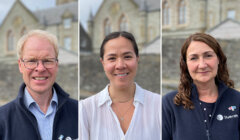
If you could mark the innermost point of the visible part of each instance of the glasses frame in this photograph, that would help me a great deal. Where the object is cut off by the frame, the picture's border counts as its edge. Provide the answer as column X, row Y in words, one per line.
column 25, row 60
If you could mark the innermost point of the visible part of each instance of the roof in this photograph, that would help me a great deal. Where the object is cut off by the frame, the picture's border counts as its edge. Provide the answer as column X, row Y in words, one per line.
column 53, row 15
column 227, row 29
column 151, row 5
column 152, row 47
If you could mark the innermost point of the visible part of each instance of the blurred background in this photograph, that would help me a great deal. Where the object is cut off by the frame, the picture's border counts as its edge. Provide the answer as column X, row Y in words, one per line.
column 98, row 18
column 181, row 18
column 17, row 17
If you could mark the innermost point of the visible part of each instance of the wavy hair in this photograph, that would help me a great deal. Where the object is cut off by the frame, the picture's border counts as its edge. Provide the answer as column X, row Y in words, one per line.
column 184, row 88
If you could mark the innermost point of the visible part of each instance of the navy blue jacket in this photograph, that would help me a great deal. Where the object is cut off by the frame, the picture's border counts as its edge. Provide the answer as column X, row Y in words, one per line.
column 18, row 123
column 183, row 124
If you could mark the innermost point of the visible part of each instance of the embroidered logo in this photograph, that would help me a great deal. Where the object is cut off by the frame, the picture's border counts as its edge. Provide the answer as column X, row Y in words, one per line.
column 60, row 137
column 232, row 108
column 220, row 117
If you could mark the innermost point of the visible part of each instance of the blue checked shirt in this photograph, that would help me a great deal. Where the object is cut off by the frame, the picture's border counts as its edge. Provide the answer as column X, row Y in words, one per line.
column 45, row 121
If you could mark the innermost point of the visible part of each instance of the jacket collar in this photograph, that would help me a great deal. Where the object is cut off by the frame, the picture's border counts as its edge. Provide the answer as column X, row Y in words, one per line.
column 222, row 87
column 105, row 98
column 61, row 94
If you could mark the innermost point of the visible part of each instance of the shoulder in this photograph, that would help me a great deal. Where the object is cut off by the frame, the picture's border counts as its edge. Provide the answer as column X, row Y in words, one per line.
column 170, row 95
column 72, row 103
column 91, row 101
column 7, row 111
column 151, row 96
column 232, row 93
column 167, row 99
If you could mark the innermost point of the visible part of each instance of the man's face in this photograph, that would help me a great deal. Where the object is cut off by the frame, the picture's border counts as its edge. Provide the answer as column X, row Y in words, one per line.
column 40, row 79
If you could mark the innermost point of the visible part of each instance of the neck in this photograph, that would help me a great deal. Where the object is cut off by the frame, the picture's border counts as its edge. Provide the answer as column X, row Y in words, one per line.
column 42, row 99
column 207, row 92
column 121, row 94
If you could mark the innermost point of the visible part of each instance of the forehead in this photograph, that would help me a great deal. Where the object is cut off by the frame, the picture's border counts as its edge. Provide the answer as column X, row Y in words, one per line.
column 118, row 44
column 198, row 47
column 38, row 44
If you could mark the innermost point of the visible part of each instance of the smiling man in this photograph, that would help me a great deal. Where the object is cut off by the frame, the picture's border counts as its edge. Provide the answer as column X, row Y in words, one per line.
column 42, row 109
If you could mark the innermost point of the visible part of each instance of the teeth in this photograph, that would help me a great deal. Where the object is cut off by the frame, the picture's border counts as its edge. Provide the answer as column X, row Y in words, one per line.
column 122, row 74
column 40, row 78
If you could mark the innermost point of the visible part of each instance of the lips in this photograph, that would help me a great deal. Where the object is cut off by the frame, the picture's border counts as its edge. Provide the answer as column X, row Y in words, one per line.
column 121, row 74
column 40, row 78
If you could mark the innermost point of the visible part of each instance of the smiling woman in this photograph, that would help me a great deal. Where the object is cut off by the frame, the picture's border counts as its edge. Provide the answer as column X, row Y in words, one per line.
column 123, row 108
column 205, row 104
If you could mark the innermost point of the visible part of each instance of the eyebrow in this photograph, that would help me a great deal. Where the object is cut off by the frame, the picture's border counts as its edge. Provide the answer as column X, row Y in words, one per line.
column 125, row 53
column 193, row 54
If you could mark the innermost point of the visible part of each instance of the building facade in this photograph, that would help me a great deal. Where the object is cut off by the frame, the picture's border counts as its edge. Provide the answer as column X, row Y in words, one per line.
column 184, row 17
column 61, row 20
column 140, row 17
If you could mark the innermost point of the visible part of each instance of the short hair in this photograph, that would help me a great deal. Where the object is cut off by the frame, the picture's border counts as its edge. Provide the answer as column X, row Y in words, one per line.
column 184, row 88
column 40, row 33
column 114, row 35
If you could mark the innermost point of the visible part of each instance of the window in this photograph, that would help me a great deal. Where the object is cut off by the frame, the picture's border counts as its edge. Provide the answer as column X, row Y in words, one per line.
column 231, row 14
column 166, row 13
column 10, row 41
column 67, row 43
column 67, row 23
column 181, row 12
column 107, row 27
column 123, row 24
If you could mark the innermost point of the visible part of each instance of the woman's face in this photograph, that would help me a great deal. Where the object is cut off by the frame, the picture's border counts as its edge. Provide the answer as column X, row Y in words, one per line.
column 202, row 62
column 120, row 62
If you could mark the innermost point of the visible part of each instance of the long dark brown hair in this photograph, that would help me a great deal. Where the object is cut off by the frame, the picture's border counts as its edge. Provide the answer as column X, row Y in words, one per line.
column 184, row 88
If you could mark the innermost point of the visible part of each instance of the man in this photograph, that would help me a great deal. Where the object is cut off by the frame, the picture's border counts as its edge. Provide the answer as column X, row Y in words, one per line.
column 42, row 110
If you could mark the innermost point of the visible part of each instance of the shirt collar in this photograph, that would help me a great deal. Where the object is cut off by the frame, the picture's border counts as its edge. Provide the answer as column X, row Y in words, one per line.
column 105, row 98
column 28, row 100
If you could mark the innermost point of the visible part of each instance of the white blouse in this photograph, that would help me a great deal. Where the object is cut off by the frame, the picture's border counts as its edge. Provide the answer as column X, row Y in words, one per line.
column 99, row 122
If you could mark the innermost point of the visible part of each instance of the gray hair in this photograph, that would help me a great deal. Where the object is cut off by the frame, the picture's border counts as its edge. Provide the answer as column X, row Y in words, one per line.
column 44, row 34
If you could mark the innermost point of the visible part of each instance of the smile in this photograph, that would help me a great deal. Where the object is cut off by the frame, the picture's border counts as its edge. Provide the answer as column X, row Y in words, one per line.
column 40, row 78
column 123, row 74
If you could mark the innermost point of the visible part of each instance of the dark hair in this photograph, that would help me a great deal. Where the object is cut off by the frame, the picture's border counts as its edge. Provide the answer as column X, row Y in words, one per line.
column 114, row 35
column 184, row 88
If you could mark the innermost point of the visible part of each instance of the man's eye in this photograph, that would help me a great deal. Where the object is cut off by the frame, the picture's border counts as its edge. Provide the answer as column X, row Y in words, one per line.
column 33, row 60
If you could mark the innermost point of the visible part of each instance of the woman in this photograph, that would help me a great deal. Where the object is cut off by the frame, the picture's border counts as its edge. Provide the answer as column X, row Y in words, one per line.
column 123, row 110
column 205, row 107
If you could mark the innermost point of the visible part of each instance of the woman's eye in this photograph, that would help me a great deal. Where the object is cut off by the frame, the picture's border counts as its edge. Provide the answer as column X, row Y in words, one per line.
column 128, row 56
column 193, row 58
column 111, row 58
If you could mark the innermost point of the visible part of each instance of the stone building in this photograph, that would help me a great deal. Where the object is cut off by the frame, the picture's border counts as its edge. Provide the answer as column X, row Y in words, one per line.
column 140, row 17
column 184, row 17
column 61, row 20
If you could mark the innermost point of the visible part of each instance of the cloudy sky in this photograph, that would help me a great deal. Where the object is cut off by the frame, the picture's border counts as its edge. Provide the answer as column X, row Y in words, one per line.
column 5, row 5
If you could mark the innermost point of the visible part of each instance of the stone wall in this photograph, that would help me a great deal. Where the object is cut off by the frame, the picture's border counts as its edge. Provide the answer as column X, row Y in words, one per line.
column 93, row 79
column 171, row 55
column 11, row 79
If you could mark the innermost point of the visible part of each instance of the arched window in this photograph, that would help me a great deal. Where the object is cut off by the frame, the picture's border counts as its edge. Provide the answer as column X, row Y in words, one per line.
column 166, row 13
column 10, row 41
column 123, row 26
column 181, row 12
column 107, row 27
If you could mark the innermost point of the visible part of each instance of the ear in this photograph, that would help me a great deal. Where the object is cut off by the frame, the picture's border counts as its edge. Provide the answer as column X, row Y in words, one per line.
column 101, row 60
column 20, row 66
column 138, row 59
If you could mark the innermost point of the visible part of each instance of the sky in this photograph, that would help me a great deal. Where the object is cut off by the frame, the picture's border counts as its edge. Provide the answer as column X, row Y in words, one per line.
column 33, row 5
column 85, row 7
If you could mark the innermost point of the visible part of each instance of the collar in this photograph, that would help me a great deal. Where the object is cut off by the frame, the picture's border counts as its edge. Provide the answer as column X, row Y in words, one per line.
column 222, row 87
column 28, row 100
column 105, row 98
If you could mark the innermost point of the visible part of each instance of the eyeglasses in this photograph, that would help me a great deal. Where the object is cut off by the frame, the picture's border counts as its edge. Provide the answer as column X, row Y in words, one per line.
column 33, row 63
